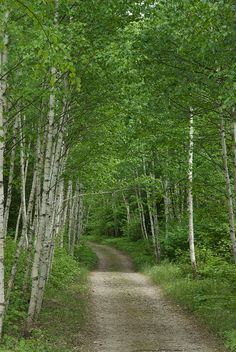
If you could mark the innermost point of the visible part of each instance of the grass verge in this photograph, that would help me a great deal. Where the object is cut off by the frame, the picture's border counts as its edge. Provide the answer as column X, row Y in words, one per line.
column 63, row 317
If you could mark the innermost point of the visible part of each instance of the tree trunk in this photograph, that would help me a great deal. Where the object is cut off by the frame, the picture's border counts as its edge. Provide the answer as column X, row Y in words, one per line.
column 141, row 213
column 19, row 247
column 228, row 190
column 3, row 62
column 65, row 215
column 190, row 198
column 234, row 144
column 73, row 221
column 127, row 209
column 153, row 218
column 10, row 182
column 80, row 218
column 115, row 220
column 43, row 211
column 166, row 207
column 23, row 183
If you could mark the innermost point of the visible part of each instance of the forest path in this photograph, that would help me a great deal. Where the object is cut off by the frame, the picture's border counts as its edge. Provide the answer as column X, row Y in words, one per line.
column 130, row 314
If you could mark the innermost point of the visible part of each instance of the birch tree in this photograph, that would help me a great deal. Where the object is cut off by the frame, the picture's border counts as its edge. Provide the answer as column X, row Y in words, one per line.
column 3, row 83
column 228, row 189
column 190, row 196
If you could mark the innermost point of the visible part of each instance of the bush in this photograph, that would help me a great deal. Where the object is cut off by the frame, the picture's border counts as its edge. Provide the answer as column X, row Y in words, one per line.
column 132, row 230
column 64, row 269
column 85, row 256
column 65, row 301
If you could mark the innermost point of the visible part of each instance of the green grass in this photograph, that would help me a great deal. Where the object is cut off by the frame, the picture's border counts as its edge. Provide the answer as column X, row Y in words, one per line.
column 64, row 312
column 85, row 256
column 212, row 298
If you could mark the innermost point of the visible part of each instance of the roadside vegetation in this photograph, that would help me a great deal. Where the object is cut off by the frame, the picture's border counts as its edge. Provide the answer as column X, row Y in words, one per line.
column 117, row 119
column 64, row 312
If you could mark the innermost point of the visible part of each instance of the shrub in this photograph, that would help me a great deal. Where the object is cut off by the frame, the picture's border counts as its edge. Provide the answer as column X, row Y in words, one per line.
column 85, row 256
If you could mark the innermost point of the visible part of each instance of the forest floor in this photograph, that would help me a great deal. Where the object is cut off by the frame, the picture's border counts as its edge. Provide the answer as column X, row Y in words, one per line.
column 128, row 313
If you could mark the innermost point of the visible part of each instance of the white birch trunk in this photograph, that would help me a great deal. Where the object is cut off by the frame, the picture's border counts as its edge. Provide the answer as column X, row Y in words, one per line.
column 23, row 164
column 70, row 214
column 2, row 300
column 18, row 223
column 65, row 215
column 190, row 198
column 3, row 61
column 43, row 212
column 234, row 144
column 141, row 213
column 24, row 236
column 152, row 226
column 20, row 246
column 48, row 245
column 153, row 219
column 80, row 218
column 34, row 203
column 116, row 230
column 167, row 207
column 228, row 190
column 128, row 217
column 73, row 219
column 10, row 182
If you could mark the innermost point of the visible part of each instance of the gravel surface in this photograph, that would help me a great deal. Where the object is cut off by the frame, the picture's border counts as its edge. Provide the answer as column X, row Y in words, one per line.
column 130, row 314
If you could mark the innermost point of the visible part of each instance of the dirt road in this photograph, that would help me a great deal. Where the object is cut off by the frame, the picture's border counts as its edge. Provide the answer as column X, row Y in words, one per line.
column 130, row 314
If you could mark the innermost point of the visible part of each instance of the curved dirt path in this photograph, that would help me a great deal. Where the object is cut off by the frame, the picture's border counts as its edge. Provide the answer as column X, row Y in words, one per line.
column 130, row 314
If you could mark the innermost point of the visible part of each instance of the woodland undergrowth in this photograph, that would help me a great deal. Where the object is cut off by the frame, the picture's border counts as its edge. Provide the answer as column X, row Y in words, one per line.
column 64, row 310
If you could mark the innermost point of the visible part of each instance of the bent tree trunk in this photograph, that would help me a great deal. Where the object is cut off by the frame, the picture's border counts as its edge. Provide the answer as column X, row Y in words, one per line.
column 190, row 198
column 228, row 189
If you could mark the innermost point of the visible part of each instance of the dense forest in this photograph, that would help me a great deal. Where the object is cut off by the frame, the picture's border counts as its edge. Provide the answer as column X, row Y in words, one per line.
column 117, row 124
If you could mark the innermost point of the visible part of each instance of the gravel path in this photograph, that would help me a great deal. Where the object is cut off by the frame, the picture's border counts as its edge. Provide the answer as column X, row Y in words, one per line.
column 130, row 314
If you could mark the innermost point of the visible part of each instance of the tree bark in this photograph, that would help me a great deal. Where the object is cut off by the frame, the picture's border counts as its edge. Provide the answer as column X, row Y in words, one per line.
column 190, row 197
column 115, row 220
column 3, row 62
column 234, row 144
column 153, row 218
column 43, row 211
column 141, row 213
column 23, row 183
column 127, row 209
column 228, row 189
column 166, row 207
column 10, row 182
